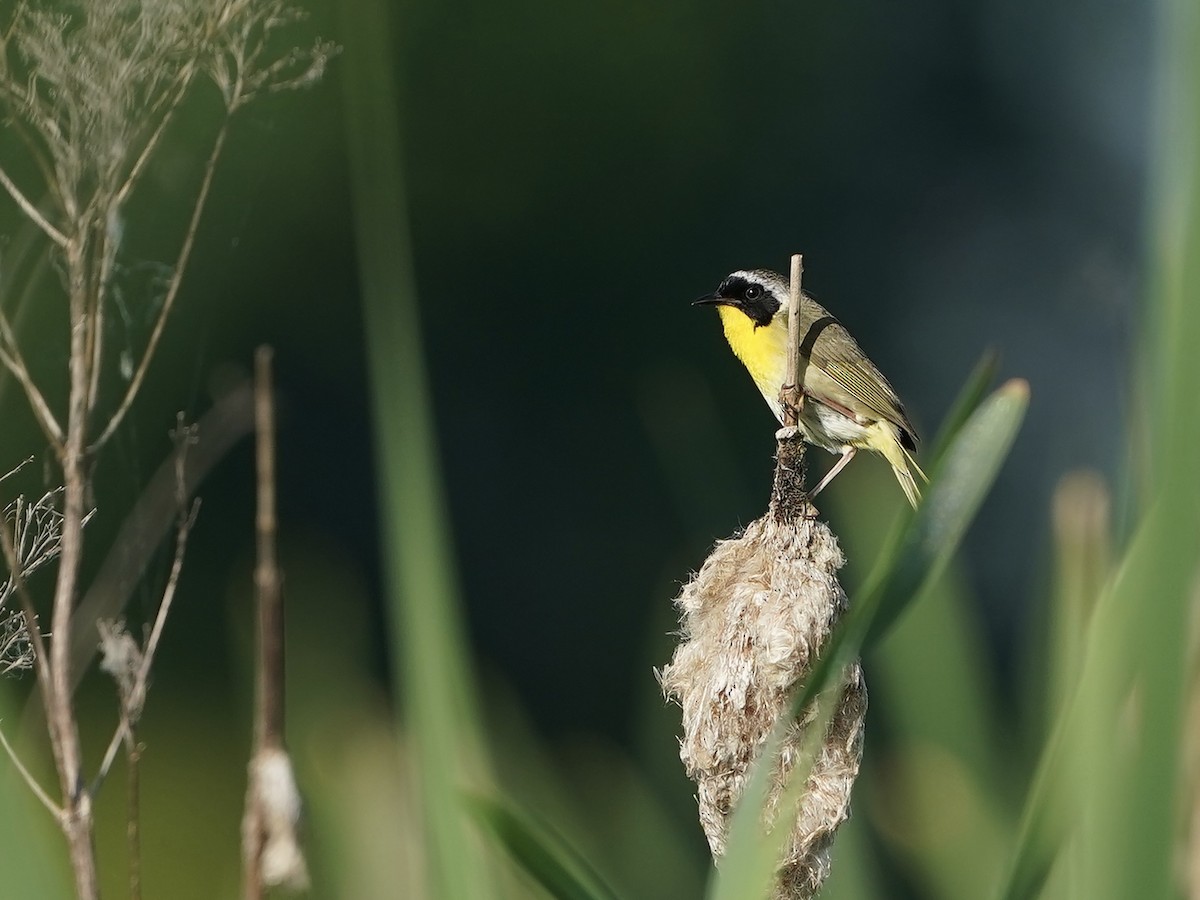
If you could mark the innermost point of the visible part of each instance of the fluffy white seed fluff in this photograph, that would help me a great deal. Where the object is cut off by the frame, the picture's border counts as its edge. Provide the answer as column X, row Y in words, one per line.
column 754, row 619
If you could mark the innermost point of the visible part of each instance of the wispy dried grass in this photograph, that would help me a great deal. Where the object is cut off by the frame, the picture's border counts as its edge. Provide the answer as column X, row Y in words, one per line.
column 33, row 532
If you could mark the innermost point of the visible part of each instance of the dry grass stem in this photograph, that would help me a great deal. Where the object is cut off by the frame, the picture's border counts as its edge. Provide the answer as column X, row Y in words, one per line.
column 16, row 646
column 31, row 212
column 11, row 358
column 129, row 664
column 44, row 798
column 30, row 534
column 271, row 851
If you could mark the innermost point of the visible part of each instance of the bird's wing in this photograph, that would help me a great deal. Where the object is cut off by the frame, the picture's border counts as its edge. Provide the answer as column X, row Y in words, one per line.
column 844, row 375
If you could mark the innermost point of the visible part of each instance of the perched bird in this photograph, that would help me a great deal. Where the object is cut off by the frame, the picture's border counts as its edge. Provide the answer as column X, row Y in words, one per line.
column 848, row 405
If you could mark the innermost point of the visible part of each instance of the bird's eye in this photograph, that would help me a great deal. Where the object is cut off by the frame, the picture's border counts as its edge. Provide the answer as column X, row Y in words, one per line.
column 753, row 292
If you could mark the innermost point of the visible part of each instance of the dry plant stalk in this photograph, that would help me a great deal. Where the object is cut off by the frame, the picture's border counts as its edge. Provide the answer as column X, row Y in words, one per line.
column 92, row 92
column 271, row 852
column 754, row 620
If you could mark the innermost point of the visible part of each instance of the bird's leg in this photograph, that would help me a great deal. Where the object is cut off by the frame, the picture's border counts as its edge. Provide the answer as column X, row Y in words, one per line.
column 847, row 455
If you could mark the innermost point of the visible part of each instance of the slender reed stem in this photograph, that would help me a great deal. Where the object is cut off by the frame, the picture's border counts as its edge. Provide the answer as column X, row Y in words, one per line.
column 269, row 692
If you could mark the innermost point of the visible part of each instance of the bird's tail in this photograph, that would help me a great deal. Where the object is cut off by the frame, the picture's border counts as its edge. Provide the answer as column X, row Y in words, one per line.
column 908, row 484
column 900, row 459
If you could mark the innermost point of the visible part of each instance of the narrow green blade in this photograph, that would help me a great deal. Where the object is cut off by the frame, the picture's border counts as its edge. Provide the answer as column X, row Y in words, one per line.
column 433, row 678
column 929, row 537
column 964, row 476
column 540, row 852
column 970, row 395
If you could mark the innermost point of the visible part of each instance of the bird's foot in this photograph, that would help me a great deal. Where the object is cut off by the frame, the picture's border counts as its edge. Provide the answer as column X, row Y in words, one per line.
column 787, row 432
column 791, row 401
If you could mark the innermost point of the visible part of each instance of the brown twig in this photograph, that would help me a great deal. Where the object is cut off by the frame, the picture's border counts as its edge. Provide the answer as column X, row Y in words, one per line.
column 788, row 499
column 54, row 808
column 268, row 694
column 133, row 827
column 133, row 689
column 271, row 853
column 792, row 391
column 31, row 211
column 131, row 706
column 10, row 356
column 77, row 822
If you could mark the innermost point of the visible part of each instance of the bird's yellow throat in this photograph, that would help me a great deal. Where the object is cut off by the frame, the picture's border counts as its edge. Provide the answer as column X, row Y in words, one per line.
column 762, row 349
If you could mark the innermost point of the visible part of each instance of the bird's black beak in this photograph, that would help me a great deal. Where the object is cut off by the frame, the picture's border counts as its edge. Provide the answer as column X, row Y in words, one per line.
column 713, row 299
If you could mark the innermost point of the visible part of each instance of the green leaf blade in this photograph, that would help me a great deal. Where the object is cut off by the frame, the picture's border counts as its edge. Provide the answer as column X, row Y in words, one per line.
column 543, row 855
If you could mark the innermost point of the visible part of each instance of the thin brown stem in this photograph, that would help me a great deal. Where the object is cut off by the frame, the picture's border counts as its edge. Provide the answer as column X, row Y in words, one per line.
column 43, row 797
column 185, row 252
column 269, row 720
column 110, row 753
column 31, row 211
column 77, row 822
column 131, row 708
column 164, row 608
column 789, row 502
column 133, row 828
column 106, row 250
column 269, row 689
column 10, row 356
column 794, row 395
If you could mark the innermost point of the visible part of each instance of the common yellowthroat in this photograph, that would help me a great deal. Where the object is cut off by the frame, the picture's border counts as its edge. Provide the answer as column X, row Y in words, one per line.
column 848, row 405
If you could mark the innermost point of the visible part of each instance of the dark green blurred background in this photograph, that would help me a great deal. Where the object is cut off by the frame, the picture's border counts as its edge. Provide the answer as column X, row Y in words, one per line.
column 960, row 176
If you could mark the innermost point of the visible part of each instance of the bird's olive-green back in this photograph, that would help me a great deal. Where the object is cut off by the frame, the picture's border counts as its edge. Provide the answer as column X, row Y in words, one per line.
column 839, row 371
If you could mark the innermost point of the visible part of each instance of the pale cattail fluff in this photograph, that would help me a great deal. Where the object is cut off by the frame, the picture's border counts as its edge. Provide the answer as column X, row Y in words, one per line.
column 278, row 800
column 754, row 619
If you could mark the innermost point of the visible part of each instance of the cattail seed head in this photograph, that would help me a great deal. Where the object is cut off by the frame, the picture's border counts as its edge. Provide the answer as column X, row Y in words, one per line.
column 754, row 619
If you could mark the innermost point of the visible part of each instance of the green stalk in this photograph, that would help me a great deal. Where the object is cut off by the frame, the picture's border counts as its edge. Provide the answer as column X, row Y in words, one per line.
column 433, row 675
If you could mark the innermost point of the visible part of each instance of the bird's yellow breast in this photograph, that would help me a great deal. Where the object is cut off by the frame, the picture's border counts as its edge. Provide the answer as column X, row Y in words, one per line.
column 762, row 349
